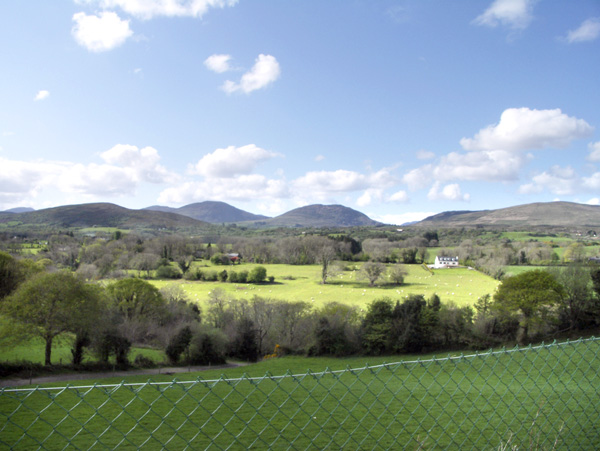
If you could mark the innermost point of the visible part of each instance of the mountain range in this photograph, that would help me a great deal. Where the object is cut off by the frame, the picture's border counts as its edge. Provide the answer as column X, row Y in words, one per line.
column 203, row 214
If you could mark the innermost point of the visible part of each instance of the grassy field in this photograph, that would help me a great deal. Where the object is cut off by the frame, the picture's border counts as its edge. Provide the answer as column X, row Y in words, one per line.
column 539, row 398
column 302, row 283
column 33, row 351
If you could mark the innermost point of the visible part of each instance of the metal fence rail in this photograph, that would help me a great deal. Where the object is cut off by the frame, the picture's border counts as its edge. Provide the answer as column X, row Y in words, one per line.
column 542, row 397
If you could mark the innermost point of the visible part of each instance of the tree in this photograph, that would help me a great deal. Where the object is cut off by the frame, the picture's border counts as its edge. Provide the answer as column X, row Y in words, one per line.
column 10, row 274
column 577, row 306
column 377, row 326
column 258, row 274
column 397, row 274
column 532, row 295
column 372, row 271
column 51, row 304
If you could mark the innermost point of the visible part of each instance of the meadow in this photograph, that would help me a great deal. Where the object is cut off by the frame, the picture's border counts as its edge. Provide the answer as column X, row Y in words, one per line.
column 461, row 286
column 536, row 398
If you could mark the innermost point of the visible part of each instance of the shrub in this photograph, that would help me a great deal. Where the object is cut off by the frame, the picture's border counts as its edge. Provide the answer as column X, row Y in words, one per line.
column 210, row 276
column 258, row 274
column 223, row 276
column 178, row 344
column 208, row 347
column 242, row 276
column 271, row 279
column 141, row 361
column 168, row 272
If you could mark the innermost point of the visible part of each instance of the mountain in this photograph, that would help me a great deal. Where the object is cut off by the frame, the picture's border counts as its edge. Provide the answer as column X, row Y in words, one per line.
column 322, row 216
column 213, row 212
column 566, row 214
column 102, row 215
column 18, row 210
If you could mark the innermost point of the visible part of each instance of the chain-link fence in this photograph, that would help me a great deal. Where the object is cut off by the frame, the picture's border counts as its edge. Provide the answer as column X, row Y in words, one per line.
column 541, row 397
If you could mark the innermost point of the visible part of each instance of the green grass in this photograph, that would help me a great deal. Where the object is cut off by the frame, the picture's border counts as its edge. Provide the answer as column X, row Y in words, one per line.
column 530, row 399
column 33, row 351
column 302, row 283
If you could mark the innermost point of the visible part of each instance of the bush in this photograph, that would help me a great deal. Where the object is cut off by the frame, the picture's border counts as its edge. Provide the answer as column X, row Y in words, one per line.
column 271, row 279
column 242, row 276
column 258, row 274
column 168, row 272
column 178, row 344
column 141, row 361
column 210, row 276
column 208, row 347
column 222, row 276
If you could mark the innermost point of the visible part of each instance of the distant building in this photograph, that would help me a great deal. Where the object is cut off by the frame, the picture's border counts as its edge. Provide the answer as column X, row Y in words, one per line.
column 234, row 258
column 445, row 262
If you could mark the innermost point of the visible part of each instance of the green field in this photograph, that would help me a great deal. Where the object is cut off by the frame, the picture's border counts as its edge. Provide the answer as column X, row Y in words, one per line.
column 302, row 283
column 33, row 351
column 533, row 398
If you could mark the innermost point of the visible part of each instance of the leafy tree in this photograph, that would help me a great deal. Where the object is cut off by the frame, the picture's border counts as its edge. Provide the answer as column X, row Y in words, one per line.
column 372, row 271
column 407, row 333
column 397, row 274
column 258, row 274
column 409, row 255
column 532, row 295
column 245, row 344
column 11, row 274
column 577, row 307
column 377, row 326
column 51, row 304
column 179, row 344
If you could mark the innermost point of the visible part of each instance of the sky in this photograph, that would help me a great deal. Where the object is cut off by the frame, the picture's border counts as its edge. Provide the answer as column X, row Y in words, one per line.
column 397, row 108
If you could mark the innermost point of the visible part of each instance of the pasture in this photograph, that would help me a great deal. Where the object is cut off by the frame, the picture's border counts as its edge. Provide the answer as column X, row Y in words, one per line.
column 461, row 286
column 535, row 398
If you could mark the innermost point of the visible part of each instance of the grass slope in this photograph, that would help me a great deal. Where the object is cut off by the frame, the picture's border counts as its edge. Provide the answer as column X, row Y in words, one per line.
column 537, row 398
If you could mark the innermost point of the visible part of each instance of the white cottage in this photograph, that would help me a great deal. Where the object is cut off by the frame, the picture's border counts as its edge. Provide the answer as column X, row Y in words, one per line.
column 445, row 262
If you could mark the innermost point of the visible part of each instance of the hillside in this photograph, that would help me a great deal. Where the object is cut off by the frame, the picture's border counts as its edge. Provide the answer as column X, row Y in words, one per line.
column 322, row 216
column 566, row 214
column 101, row 215
column 213, row 212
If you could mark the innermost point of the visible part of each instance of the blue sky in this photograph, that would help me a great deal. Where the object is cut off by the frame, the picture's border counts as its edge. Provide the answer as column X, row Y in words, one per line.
column 399, row 109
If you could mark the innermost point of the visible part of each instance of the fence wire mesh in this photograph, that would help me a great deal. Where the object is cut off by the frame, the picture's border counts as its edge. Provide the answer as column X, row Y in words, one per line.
column 537, row 397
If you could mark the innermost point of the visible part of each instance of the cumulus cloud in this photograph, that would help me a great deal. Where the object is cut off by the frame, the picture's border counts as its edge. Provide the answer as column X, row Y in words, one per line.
column 232, row 161
column 265, row 71
column 515, row 14
column 587, row 31
column 448, row 192
column 594, row 151
column 594, row 201
column 124, row 169
column 41, row 95
column 147, row 9
column 558, row 180
column 402, row 218
column 369, row 196
column 142, row 163
column 592, row 183
column 102, row 32
column 523, row 128
column 418, row 178
column 244, row 188
column 319, row 158
column 492, row 165
column 218, row 63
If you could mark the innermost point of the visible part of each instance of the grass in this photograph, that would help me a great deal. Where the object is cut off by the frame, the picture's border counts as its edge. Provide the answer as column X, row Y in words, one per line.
column 544, row 394
column 33, row 351
column 301, row 283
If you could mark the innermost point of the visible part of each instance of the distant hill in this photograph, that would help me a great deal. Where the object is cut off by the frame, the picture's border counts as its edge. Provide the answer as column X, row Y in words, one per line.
column 322, row 216
column 101, row 215
column 213, row 212
column 566, row 214
column 19, row 210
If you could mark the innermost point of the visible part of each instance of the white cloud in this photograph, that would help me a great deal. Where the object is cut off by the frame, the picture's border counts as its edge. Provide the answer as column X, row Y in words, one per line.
column 558, row 180
column 594, row 201
column 594, row 151
column 41, row 95
column 147, row 9
column 402, row 218
column 592, row 183
column 100, row 33
column 249, row 187
column 515, row 14
column 418, row 178
column 425, row 155
column 232, row 161
column 369, row 196
column 319, row 158
column 142, row 163
column 265, row 71
column 587, row 31
column 492, row 165
column 448, row 192
column 399, row 196
column 218, row 63
column 523, row 128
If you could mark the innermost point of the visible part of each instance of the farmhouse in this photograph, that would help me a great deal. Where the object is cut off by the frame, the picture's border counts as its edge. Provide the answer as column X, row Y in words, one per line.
column 445, row 262
column 234, row 258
